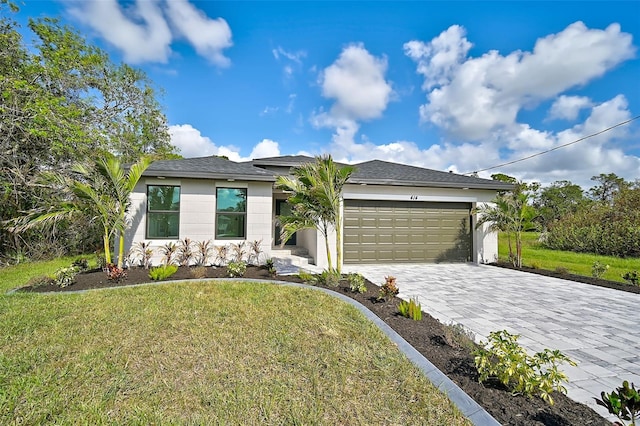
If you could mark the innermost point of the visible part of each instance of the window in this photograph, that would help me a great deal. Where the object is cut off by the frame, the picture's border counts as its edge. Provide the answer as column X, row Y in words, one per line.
column 231, row 213
column 163, row 211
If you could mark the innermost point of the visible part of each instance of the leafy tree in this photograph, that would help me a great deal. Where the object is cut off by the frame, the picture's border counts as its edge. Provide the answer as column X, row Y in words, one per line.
column 610, row 185
column 557, row 201
column 99, row 191
column 63, row 100
column 316, row 194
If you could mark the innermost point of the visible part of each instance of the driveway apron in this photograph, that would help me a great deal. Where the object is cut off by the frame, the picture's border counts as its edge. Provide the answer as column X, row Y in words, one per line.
column 599, row 328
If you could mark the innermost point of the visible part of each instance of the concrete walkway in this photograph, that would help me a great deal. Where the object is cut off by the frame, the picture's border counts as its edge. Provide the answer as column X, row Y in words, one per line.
column 597, row 327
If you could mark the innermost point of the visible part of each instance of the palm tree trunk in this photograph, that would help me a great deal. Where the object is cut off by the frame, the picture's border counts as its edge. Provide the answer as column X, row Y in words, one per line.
column 121, row 250
column 338, row 244
column 107, row 250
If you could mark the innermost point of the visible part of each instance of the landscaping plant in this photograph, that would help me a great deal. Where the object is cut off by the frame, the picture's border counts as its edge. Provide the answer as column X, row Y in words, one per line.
column 221, row 255
column 271, row 267
column 168, row 251
column 185, row 252
column 162, row 272
column 410, row 309
column 238, row 251
column 504, row 359
column 305, row 276
column 144, row 253
column 328, row 277
column 64, row 277
column 624, row 403
column 236, row 269
column 631, row 277
column 255, row 248
column 356, row 283
column 389, row 289
column 115, row 273
column 598, row 269
column 204, row 252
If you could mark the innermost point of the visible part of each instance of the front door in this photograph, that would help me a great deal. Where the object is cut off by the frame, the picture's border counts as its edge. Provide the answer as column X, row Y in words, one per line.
column 283, row 209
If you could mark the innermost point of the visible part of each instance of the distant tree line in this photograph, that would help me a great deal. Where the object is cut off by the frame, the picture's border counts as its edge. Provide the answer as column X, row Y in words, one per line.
column 63, row 102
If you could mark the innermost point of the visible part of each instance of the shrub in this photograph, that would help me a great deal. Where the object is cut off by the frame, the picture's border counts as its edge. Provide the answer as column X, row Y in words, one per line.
column 82, row 264
column 598, row 269
column 535, row 265
column 305, row 276
column 162, row 272
column 199, row 272
column 388, row 289
column 356, row 283
column 328, row 277
column 144, row 253
column 410, row 309
column 238, row 251
column 624, row 402
column 236, row 269
column 504, row 359
column 221, row 255
column 64, row 277
column 562, row 270
column 457, row 335
column 255, row 248
column 631, row 277
column 114, row 273
column 271, row 267
column 205, row 251
column 168, row 251
column 40, row 281
column 185, row 252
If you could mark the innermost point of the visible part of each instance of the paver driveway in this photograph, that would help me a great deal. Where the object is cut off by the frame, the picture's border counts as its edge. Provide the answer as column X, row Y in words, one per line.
column 597, row 327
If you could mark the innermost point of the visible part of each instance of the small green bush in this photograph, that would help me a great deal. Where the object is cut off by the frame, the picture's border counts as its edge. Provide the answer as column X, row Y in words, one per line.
column 114, row 273
column 328, row 277
column 598, row 269
column 389, row 289
column 504, row 359
column 562, row 270
column 631, row 277
column 162, row 272
column 410, row 309
column 624, row 403
column 458, row 336
column 82, row 264
column 305, row 276
column 271, row 267
column 236, row 269
column 356, row 283
column 64, row 277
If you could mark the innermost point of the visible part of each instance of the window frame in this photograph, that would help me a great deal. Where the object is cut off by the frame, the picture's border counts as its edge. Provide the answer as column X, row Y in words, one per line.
column 232, row 213
column 149, row 212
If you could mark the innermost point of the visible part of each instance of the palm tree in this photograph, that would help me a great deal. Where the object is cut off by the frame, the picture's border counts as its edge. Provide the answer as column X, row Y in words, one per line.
column 316, row 195
column 510, row 213
column 99, row 191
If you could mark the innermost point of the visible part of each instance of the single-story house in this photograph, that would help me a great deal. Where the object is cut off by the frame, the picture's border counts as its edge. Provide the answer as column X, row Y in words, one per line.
column 392, row 212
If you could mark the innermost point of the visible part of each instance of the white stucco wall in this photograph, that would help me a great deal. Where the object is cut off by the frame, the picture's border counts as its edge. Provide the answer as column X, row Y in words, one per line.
column 197, row 212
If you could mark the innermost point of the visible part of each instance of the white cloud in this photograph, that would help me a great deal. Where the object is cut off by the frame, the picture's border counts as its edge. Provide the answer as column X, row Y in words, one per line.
column 356, row 82
column 139, row 31
column 472, row 97
column 208, row 36
column 568, row 107
column 191, row 143
column 292, row 56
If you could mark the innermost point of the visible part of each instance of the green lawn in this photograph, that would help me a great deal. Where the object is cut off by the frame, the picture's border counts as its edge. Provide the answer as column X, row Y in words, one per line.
column 533, row 254
column 202, row 353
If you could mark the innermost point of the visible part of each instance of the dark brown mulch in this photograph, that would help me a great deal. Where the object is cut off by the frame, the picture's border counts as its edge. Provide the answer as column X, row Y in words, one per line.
column 429, row 337
column 572, row 277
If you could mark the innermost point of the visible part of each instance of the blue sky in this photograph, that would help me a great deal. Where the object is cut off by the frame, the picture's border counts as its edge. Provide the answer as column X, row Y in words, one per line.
column 458, row 86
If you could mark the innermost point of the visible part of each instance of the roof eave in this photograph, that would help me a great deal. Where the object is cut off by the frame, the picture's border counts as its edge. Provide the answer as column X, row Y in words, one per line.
column 457, row 185
column 208, row 175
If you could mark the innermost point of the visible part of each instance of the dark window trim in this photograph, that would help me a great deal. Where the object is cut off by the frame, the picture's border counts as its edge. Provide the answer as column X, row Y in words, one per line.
column 146, row 227
column 217, row 212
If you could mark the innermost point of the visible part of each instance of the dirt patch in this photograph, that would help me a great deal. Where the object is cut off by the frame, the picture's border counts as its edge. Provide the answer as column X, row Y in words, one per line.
column 431, row 338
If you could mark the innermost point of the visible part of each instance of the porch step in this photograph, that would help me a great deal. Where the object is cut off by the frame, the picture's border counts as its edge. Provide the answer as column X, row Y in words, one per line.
column 291, row 257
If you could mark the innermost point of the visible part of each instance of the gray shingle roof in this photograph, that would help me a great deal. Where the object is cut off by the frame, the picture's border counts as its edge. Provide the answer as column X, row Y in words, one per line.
column 208, row 168
column 284, row 160
column 377, row 172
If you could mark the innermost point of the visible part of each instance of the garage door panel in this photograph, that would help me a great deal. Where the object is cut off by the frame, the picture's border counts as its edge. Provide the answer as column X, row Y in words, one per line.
column 387, row 231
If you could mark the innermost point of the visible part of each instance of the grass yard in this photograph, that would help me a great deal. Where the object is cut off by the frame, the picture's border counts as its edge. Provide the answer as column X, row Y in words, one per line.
column 534, row 255
column 202, row 353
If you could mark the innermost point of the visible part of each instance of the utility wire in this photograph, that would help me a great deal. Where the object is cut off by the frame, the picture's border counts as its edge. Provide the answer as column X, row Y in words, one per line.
column 557, row 147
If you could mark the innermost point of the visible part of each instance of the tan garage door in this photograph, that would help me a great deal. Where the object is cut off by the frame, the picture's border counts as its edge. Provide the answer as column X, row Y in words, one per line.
column 397, row 231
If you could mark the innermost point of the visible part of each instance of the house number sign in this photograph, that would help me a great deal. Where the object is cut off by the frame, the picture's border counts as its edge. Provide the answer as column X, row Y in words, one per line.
column 414, row 197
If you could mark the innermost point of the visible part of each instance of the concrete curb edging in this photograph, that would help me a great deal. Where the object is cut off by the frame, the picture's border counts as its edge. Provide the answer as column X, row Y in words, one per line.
column 467, row 406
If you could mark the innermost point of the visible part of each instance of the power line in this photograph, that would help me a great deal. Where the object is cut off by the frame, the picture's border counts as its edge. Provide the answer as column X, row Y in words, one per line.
column 557, row 147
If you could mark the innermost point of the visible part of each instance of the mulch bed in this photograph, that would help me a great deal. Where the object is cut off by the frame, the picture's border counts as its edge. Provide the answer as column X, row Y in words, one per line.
column 571, row 277
column 430, row 337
